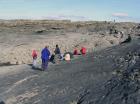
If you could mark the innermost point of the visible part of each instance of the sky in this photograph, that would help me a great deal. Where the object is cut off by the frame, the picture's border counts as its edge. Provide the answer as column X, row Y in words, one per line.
column 75, row 10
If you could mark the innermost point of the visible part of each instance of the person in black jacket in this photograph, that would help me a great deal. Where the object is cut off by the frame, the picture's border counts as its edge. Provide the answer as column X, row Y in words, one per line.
column 57, row 56
column 57, row 50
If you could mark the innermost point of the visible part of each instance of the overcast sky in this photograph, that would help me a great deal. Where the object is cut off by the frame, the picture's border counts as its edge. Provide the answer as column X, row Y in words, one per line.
column 100, row 10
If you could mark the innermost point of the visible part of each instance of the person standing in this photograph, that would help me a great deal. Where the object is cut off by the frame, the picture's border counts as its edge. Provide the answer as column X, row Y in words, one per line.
column 45, row 53
column 34, row 56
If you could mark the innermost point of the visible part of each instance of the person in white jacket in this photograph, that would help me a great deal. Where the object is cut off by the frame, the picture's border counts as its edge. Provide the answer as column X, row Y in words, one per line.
column 67, row 57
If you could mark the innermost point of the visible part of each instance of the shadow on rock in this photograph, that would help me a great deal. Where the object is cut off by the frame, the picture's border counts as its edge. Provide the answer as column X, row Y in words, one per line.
column 35, row 68
column 7, row 64
column 1, row 102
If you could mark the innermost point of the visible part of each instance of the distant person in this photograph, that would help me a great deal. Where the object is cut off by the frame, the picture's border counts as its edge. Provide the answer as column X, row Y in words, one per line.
column 75, row 52
column 45, row 58
column 67, row 57
column 122, row 34
column 83, row 50
column 57, row 50
column 57, row 53
column 34, row 56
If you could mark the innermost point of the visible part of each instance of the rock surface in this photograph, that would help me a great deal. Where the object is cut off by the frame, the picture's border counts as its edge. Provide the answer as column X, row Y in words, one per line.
column 110, row 76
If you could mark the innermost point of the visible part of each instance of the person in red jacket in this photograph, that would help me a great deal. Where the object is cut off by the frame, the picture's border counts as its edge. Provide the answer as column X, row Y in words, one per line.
column 75, row 52
column 83, row 50
column 34, row 56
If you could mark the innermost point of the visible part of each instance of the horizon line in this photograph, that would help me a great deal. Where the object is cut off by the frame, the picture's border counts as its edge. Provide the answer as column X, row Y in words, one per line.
column 14, row 19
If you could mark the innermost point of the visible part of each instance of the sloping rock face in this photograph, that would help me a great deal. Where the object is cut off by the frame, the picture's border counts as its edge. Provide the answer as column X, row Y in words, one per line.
column 136, row 30
column 123, row 87
column 110, row 76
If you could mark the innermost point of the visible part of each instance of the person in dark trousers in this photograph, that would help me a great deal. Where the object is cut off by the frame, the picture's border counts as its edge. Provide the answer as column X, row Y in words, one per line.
column 45, row 58
column 57, row 56
column 57, row 50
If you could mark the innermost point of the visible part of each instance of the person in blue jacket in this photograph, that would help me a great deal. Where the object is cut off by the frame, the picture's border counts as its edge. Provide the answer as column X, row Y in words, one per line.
column 45, row 58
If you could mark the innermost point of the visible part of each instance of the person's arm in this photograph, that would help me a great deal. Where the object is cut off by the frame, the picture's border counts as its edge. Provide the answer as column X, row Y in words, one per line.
column 42, row 54
column 49, row 53
column 55, row 51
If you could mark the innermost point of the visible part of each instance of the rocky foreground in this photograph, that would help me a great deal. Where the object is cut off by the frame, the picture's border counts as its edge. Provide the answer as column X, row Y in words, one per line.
column 110, row 76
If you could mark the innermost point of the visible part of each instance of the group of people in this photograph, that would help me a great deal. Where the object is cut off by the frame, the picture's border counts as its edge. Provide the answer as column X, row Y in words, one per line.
column 47, row 57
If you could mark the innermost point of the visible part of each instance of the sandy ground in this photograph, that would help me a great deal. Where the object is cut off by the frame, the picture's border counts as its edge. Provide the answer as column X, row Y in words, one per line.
column 19, row 50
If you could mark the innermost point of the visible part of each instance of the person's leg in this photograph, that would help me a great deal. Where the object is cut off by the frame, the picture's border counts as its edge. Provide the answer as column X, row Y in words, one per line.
column 43, row 64
column 34, row 63
column 46, row 64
